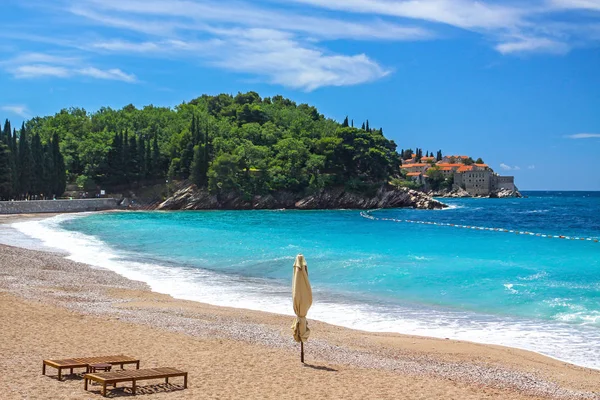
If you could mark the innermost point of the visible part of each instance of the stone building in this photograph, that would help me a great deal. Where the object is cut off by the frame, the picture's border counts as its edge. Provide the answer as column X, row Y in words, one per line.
column 483, row 182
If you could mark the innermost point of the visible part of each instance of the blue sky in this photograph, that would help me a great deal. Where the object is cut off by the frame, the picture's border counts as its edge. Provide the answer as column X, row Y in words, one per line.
column 514, row 82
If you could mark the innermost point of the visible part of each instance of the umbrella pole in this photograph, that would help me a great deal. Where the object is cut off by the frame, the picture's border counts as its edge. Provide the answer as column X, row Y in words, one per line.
column 302, row 352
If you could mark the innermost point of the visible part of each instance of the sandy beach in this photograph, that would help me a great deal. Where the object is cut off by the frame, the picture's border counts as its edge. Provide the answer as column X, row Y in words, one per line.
column 55, row 308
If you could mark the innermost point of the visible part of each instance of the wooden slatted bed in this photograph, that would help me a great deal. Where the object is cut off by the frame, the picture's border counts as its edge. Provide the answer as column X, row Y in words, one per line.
column 133, row 376
column 84, row 362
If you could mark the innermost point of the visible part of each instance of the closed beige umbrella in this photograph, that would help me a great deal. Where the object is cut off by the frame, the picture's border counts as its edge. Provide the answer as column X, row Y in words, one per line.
column 302, row 299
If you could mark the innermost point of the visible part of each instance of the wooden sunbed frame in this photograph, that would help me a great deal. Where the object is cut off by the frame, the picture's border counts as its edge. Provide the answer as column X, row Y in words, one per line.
column 84, row 362
column 112, row 378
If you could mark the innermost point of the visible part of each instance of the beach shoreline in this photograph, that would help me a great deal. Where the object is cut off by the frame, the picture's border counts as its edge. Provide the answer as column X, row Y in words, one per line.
column 102, row 295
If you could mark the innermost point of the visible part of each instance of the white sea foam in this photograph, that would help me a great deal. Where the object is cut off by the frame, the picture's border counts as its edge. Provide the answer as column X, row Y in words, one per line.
column 559, row 339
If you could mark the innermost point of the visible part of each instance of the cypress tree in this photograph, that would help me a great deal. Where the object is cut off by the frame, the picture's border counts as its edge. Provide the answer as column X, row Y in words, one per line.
column 37, row 170
column 49, row 171
column 194, row 131
column 367, row 127
column 345, row 123
column 187, row 156
column 8, row 135
column 156, row 160
column 6, row 180
column 126, row 155
column 353, row 123
column 15, row 163
column 363, row 126
column 206, row 156
column 197, row 167
column 59, row 181
column 148, row 158
column 132, row 158
column 141, row 157
column 114, row 161
column 25, row 163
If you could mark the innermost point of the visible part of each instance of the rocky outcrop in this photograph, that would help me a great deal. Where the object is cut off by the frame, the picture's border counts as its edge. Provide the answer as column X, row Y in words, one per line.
column 190, row 198
column 460, row 192
column 454, row 193
column 504, row 193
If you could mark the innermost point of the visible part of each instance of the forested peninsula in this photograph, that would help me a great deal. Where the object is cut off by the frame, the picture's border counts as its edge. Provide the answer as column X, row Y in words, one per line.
column 232, row 149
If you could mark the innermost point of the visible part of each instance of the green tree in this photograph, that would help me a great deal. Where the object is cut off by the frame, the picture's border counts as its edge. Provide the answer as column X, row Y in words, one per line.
column 479, row 161
column 6, row 134
column 48, row 174
column 345, row 123
column 37, row 170
column 6, row 183
column 435, row 178
column 198, row 174
column 59, row 181
column 25, row 163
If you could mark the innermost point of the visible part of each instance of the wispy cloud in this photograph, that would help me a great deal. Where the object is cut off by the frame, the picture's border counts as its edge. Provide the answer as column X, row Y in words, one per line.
column 276, row 56
column 506, row 167
column 290, row 42
column 531, row 167
column 577, row 4
column 535, row 26
column 533, row 45
column 20, row 110
column 163, row 18
column 39, row 65
column 584, row 136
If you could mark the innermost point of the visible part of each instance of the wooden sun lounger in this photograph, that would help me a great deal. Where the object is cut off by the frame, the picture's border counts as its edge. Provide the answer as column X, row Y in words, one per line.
column 112, row 378
column 84, row 362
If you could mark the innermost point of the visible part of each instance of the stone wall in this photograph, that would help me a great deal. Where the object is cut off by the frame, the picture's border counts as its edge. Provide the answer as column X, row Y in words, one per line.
column 477, row 183
column 56, row 206
column 504, row 182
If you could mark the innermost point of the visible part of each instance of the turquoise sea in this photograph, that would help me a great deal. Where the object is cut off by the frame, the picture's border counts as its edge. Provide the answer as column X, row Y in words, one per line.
column 375, row 271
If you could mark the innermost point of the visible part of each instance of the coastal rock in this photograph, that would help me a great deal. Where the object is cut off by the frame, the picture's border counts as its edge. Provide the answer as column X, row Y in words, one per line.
column 191, row 198
column 504, row 193
column 456, row 192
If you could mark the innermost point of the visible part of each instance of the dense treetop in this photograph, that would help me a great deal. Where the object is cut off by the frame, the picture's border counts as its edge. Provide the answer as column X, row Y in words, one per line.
column 242, row 143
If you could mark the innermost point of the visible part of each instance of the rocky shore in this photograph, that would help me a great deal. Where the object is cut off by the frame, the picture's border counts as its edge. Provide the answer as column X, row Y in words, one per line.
column 460, row 193
column 191, row 198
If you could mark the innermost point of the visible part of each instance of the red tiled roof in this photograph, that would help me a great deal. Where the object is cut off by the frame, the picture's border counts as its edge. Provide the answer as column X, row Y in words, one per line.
column 414, row 165
column 456, row 165
column 413, row 174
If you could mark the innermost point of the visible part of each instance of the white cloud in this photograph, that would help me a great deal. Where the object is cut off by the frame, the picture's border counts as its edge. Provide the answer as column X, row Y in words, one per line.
column 288, row 42
column 533, row 45
column 110, row 74
column 537, row 23
column 39, row 65
column 584, row 136
column 509, row 168
column 19, row 110
column 163, row 18
column 39, row 70
column 577, row 4
column 466, row 14
column 531, row 167
column 290, row 63
column 277, row 56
